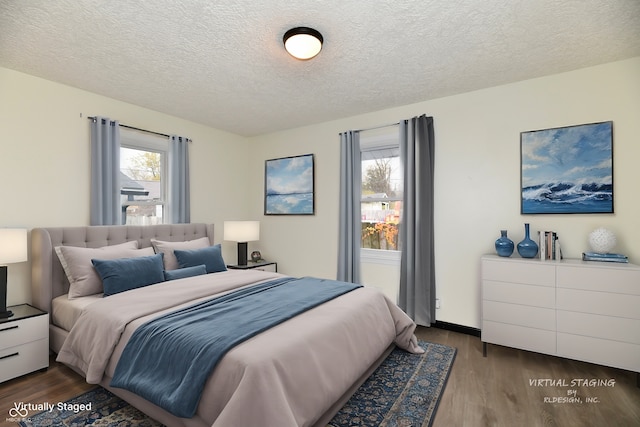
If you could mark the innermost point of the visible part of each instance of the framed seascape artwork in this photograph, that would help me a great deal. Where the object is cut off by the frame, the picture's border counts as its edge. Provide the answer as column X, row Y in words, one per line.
column 289, row 186
column 567, row 169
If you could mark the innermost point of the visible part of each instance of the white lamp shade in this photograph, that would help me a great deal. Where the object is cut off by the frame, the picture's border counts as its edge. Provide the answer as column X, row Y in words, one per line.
column 242, row 231
column 13, row 245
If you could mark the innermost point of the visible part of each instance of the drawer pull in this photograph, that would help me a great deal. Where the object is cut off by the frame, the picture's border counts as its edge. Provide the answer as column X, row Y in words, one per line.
column 9, row 328
column 9, row 355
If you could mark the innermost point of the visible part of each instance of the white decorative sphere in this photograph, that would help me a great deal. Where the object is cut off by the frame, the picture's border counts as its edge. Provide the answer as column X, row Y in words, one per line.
column 602, row 240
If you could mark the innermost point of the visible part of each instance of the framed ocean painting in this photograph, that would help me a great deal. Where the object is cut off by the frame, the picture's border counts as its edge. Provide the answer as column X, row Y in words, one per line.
column 567, row 169
column 289, row 186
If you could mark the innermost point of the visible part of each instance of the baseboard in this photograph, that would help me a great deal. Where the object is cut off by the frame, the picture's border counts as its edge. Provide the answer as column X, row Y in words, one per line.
column 457, row 328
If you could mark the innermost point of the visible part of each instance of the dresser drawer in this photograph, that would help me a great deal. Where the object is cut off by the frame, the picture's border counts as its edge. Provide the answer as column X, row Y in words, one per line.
column 24, row 358
column 622, row 279
column 594, row 325
column 23, row 330
column 530, row 273
column 603, row 352
column 607, row 304
column 532, row 339
column 537, row 296
column 521, row 315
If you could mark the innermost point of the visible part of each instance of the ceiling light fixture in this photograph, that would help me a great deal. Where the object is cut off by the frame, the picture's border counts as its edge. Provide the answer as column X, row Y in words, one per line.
column 303, row 42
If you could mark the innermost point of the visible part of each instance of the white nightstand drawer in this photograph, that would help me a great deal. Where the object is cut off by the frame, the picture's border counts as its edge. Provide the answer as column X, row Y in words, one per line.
column 23, row 331
column 25, row 358
column 270, row 267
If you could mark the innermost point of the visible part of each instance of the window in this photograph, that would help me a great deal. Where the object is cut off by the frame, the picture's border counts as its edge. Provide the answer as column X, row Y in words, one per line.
column 381, row 193
column 143, row 173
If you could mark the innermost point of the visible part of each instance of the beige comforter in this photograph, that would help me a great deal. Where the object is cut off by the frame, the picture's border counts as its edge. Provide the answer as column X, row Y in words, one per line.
column 286, row 376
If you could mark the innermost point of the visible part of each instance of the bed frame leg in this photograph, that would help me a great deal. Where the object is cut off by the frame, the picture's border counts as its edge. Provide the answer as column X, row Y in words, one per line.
column 484, row 354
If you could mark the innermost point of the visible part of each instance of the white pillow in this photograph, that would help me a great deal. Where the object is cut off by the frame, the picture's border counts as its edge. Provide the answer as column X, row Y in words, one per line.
column 83, row 278
column 167, row 248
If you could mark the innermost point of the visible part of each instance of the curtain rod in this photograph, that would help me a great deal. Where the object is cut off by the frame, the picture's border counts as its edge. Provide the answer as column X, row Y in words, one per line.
column 135, row 128
column 377, row 127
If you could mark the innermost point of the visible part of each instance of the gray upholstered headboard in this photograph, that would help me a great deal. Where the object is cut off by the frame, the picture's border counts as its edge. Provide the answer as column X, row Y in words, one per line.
column 47, row 276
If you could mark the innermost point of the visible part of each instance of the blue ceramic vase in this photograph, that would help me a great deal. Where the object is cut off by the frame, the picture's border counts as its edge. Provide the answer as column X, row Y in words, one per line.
column 527, row 248
column 504, row 245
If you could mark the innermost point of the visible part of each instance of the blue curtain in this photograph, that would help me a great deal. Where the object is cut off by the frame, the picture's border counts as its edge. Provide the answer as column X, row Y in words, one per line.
column 417, row 296
column 350, row 227
column 179, row 198
column 105, row 208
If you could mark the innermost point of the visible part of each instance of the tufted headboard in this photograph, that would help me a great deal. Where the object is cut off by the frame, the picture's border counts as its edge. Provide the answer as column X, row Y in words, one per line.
column 47, row 276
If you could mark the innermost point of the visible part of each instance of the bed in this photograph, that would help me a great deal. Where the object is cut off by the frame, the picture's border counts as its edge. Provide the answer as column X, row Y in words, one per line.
column 297, row 373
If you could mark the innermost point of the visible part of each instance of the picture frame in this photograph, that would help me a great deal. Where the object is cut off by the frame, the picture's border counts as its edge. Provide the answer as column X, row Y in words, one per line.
column 289, row 185
column 567, row 170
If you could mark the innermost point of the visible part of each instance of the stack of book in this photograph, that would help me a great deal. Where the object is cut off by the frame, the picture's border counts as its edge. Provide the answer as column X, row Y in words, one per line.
column 595, row 256
column 549, row 245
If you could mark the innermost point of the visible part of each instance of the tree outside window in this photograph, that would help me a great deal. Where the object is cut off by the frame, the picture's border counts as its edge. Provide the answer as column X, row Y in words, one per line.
column 381, row 203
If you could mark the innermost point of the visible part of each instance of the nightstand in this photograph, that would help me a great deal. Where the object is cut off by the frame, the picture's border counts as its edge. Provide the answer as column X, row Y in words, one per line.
column 260, row 265
column 24, row 342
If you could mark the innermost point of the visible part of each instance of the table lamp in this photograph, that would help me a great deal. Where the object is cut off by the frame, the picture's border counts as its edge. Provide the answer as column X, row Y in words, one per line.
column 242, row 232
column 13, row 248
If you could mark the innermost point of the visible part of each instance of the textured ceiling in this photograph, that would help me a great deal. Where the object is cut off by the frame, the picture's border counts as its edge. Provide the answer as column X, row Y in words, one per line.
column 222, row 64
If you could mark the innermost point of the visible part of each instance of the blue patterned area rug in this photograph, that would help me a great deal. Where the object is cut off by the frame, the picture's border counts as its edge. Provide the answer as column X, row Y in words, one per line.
column 404, row 391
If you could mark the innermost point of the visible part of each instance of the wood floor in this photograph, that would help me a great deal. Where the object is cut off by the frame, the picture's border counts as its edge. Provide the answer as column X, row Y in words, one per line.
column 496, row 390
column 57, row 384
column 493, row 391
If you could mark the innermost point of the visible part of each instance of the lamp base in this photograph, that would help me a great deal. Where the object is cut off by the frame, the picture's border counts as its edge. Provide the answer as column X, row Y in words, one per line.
column 242, row 253
column 4, row 313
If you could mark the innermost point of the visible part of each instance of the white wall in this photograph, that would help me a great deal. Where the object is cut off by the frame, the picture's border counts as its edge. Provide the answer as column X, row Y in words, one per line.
column 477, row 176
column 45, row 156
column 44, row 168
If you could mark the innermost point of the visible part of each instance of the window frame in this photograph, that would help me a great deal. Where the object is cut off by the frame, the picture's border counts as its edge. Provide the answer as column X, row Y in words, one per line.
column 388, row 139
column 144, row 141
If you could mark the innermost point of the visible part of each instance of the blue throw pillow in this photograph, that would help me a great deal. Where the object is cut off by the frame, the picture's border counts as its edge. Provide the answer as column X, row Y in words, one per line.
column 211, row 257
column 124, row 274
column 181, row 273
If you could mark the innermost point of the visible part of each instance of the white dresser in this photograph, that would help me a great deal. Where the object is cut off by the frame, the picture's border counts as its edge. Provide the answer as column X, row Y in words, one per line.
column 583, row 310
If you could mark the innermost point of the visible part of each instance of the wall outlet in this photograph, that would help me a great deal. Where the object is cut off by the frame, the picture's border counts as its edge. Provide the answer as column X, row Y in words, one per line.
column 437, row 303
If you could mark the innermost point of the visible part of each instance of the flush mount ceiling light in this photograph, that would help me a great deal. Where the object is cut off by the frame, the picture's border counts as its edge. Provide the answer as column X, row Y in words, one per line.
column 303, row 42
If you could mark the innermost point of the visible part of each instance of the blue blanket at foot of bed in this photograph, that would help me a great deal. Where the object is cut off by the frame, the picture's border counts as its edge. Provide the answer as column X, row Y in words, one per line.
column 168, row 360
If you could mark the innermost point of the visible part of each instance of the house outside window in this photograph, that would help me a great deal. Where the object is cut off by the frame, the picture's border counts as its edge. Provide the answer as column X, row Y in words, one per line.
column 381, row 196
column 143, row 177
